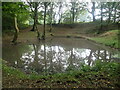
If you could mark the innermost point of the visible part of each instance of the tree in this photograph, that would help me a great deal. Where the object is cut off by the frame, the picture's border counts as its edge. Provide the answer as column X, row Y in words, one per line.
column 101, row 16
column 45, row 8
column 116, row 4
column 36, row 20
column 34, row 9
column 93, row 11
column 110, row 8
column 34, row 6
column 73, row 11
column 51, row 16
column 76, row 9
column 16, row 30
column 60, row 13
column 13, row 10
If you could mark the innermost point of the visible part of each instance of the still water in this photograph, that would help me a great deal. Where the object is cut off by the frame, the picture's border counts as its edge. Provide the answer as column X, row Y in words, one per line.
column 57, row 55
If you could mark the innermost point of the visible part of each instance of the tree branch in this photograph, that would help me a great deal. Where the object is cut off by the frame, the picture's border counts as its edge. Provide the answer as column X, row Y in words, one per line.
column 30, row 5
column 88, row 10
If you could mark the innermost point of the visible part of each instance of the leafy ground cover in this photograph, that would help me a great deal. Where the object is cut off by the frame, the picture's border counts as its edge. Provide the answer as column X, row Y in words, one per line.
column 102, row 75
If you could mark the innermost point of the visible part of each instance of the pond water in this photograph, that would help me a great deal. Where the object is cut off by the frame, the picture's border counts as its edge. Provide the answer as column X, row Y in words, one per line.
column 57, row 55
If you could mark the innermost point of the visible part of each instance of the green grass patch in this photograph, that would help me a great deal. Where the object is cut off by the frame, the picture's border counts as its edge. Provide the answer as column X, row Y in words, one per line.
column 109, row 38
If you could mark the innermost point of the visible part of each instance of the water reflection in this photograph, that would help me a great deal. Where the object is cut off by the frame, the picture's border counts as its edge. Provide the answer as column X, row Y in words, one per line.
column 51, row 58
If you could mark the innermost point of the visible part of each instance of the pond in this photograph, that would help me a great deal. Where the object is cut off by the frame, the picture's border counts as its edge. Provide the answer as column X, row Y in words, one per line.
column 57, row 55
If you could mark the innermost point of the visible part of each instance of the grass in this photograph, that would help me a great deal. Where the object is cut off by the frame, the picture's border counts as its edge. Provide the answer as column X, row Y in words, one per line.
column 103, row 74
column 109, row 38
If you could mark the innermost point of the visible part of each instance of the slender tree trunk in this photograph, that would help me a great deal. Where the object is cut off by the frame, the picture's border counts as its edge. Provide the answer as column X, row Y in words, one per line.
column 60, row 13
column 73, row 12
column 101, row 17
column 34, row 25
column 110, row 56
column 98, row 54
column 54, row 21
column 51, row 11
column 36, row 20
column 93, row 11
column 45, row 59
column 59, row 21
column 45, row 5
column 115, row 11
column 115, row 16
column 36, row 52
column 16, row 30
column 89, row 58
column 35, row 17
column 109, row 16
column 105, row 54
column 33, row 28
column 70, row 18
column 72, row 58
column 51, row 61
column 110, row 8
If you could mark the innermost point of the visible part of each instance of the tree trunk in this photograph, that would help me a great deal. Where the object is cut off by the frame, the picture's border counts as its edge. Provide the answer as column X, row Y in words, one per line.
column 59, row 21
column 93, row 11
column 115, row 16
column 36, row 58
column 60, row 13
column 45, row 5
column 105, row 54
column 73, row 12
column 51, row 11
column 89, row 57
column 45, row 61
column 115, row 11
column 36, row 21
column 109, row 16
column 16, row 30
column 33, row 29
column 35, row 17
column 101, row 17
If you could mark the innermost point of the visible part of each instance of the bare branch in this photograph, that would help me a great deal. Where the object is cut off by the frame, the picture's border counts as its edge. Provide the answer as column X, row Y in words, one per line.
column 30, row 5
column 88, row 10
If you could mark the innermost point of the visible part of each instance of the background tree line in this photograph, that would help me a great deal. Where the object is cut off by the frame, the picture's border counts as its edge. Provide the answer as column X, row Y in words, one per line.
column 18, row 15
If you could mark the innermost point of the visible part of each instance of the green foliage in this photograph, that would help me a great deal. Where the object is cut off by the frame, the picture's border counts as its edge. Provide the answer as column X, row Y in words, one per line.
column 107, row 67
column 105, row 73
column 110, row 68
column 12, row 71
column 85, row 68
column 12, row 9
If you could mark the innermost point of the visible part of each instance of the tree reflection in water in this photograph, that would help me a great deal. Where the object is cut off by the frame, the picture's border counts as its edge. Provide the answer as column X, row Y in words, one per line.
column 53, row 59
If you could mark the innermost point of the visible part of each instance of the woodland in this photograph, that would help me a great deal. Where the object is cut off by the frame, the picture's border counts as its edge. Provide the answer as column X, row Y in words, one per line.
column 60, row 44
